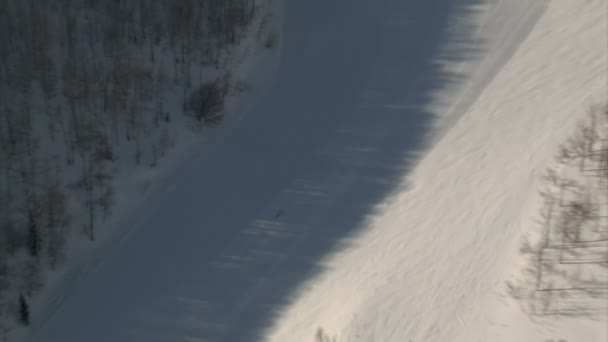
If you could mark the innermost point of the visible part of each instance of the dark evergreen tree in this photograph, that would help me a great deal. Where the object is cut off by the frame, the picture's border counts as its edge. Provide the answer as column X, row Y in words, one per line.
column 24, row 310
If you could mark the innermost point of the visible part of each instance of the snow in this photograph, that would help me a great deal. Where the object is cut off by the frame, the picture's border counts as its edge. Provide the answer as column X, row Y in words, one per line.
column 404, row 144
column 431, row 265
column 138, row 188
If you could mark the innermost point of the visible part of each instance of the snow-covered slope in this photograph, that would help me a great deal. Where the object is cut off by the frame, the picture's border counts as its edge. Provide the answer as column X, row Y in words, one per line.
column 432, row 264
column 323, row 208
column 99, row 106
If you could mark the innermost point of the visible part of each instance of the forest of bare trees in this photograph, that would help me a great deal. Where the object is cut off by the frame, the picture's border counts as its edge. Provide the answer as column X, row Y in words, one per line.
column 88, row 87
column 567, row 260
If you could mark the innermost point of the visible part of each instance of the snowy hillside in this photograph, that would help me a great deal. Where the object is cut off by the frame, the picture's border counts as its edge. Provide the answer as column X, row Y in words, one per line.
column 433, row 260
column 379, row 191
column 101, row 100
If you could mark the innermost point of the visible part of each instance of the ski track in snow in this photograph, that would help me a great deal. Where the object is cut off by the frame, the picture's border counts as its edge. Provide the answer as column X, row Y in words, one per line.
column 368, row 246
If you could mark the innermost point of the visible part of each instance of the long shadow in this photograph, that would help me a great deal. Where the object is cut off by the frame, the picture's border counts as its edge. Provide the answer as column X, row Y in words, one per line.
column 221, row 255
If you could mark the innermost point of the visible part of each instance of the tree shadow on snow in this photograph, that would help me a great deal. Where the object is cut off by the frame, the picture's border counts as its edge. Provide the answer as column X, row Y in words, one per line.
column 348, row 116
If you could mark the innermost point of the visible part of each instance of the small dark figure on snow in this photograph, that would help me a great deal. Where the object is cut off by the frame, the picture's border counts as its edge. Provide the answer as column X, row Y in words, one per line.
column 24, row 310
column 279, row 213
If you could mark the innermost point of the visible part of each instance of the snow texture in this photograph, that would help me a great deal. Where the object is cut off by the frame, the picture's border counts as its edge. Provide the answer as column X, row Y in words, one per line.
column 378, row 190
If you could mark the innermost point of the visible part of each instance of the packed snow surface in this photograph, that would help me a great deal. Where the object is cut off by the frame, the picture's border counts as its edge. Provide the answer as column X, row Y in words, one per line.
column 378, row 190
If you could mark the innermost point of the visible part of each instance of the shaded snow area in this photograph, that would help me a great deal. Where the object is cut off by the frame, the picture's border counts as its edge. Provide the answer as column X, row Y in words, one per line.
column 248, row 66
column 381, row 189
